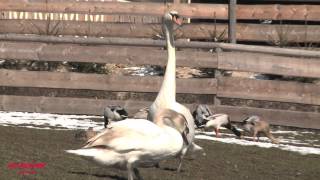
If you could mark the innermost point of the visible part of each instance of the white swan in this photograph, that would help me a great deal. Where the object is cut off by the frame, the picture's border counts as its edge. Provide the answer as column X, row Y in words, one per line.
column 134, row 143
column 166, row 97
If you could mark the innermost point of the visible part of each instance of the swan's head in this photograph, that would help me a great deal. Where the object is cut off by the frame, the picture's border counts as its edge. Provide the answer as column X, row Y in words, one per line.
column 173, row 16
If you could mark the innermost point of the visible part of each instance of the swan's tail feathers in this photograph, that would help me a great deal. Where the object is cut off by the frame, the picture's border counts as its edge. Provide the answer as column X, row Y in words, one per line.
column 84, row 152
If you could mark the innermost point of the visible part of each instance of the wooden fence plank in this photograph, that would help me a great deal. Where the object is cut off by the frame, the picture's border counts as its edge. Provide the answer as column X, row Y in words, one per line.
column 95, row 107
column 262, row 63
column 305, row 93
column 101, row 82
column 245, row 32
column 103, row 54
column 193, row 10
column 158, row 43
column 65, row 105
column 275, row 117
column 238, row 61
column 232, row 16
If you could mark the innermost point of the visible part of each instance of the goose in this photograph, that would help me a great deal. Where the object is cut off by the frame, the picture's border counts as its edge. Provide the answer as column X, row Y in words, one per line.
column 217, row 121
column 204, row 116
column 200, row 113
column 166, row 97
column 256, row 125
column 114, row 113
column 134, row 143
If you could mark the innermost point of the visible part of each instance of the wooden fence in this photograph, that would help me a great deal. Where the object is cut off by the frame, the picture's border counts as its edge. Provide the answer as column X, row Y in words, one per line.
column 277, row 24
column 44, row 45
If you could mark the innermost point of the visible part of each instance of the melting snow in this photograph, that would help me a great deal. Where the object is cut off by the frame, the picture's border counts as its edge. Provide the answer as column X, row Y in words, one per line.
column 49, row 121
column 65, row 122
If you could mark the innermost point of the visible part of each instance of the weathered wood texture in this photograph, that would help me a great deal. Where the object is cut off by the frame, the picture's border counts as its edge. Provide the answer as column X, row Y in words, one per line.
column 263, row 63
column 95, row 107
column 213, row 11
column 65, row 105
column 238, row 61
column 103, row 54
column 269, row 90
column 101, row 82
column 245, row 32
column 232, row 16
column 227, row 87
column 158, row 43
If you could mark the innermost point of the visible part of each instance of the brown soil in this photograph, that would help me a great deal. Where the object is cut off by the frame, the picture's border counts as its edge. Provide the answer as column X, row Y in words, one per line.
column 223, row 161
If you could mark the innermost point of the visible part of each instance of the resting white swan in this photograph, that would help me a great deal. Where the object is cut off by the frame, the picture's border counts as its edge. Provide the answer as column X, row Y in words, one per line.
column 134, row 143
column 166, row 97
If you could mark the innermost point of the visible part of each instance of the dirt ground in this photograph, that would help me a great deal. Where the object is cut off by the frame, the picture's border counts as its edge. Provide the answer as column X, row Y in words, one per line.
column 223, row 161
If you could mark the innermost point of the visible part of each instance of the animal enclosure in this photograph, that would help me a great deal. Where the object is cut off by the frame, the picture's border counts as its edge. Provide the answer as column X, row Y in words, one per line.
column 72, row 31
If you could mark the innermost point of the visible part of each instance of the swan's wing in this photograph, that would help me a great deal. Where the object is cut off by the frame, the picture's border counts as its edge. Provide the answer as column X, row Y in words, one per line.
column 125, row 135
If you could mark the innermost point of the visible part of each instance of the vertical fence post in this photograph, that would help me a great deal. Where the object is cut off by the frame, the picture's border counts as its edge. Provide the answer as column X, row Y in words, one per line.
column 217, row 76
column 232, row 21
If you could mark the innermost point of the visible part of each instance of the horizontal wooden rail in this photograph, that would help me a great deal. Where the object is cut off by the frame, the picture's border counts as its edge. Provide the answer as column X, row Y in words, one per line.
column 95, row 107
column 305, row 93
column 101, row 82
column 103, row 54
column 158, row 43
column 237, row 61
column 270, row 64
column 65, row 105
column 245, row 32
column 193, row 10
column 280, row 91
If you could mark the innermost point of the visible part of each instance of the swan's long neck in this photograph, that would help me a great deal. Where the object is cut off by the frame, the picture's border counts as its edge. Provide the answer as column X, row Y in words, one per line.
column 167, row 91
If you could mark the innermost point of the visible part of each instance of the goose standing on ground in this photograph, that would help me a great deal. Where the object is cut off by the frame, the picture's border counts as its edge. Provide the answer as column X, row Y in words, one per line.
column 200, row 114
column 256, row 126
column 114, row 113
column 217, row 121
column 166, row 97
column 204, row 116
column 134, row 143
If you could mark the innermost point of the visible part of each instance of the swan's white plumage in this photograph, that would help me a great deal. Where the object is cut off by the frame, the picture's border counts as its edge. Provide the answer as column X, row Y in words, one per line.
column 133, row 140
column 166, row 97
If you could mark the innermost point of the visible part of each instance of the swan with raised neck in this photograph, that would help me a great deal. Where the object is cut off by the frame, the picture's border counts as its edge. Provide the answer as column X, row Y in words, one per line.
column 166, row 98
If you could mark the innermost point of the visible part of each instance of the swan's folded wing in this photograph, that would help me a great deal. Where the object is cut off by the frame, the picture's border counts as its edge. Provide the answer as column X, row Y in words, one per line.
column 125, row 136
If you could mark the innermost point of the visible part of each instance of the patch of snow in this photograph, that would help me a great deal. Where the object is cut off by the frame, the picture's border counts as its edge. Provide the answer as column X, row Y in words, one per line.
column 59, row 122
column 285, row 132
column 65, row 122
column 301, row 150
